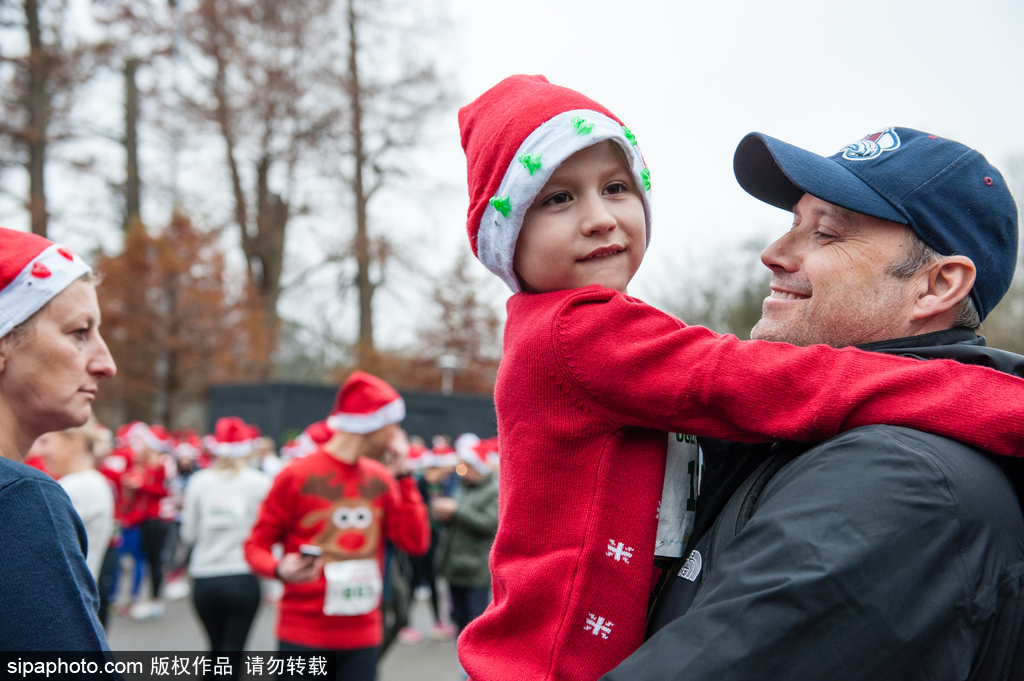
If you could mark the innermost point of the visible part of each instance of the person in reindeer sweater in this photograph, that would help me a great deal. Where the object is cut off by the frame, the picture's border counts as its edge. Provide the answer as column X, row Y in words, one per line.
column 333, row 510
column 591, row 378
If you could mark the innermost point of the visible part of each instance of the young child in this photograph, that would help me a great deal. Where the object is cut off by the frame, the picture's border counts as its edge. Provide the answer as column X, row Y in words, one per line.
column 591, row 379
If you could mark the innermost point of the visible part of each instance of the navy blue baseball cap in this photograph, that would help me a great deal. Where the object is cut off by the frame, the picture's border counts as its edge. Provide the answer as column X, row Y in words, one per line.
column 945, row 192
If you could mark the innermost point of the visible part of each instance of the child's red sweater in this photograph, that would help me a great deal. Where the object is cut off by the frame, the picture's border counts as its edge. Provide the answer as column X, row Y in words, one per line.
column 586, row 376
column 300, row 509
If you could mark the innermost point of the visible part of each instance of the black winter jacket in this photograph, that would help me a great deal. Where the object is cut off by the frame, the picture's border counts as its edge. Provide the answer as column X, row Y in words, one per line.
column 881, row 554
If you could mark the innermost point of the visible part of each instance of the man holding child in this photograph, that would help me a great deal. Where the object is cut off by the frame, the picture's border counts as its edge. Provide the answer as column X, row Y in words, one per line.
column 883, row 553
column 592, row 380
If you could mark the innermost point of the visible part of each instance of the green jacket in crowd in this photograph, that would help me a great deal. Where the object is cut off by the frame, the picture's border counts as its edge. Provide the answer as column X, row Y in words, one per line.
column 465, row 544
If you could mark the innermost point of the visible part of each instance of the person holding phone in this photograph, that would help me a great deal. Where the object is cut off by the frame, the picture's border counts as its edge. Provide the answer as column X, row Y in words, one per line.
column 333, row 510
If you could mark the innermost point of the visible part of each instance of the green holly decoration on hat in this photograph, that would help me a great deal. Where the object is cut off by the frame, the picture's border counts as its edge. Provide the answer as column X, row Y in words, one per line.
column 531, row 162
column 502, row 204
column 645, row 175
column 582, row 125
column 629, row 135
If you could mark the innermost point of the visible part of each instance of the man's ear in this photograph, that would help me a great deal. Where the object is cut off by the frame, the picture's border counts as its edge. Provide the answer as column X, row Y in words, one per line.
column 945, row 283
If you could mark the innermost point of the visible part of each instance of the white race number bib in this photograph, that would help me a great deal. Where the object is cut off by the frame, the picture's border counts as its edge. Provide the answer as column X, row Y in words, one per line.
column 222, row 512
column 354, row 587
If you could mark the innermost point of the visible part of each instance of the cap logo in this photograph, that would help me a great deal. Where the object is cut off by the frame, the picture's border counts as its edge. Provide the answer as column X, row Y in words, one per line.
column 872, row 146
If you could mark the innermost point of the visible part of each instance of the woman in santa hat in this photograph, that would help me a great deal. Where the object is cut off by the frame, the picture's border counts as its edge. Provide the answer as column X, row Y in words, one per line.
column 219, row 511
column 52, row 359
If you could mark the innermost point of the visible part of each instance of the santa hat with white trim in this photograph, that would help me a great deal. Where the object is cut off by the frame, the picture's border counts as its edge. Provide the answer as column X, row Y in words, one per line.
column 138, row 435
column 419, row 457
column 232, row 438
column 157, row 438
column 468, row 447
column 442, row 454
column 189, row 445
column 515, row 135
column 365, row 404
column 489, row 447
column 33, row 270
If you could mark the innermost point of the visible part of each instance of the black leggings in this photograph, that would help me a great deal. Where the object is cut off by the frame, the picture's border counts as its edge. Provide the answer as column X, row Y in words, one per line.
column 423, row 573
column 227, row 606
column 153, row 533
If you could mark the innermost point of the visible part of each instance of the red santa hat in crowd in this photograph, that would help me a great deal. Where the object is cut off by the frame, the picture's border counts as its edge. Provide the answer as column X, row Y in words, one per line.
column 468, row 449
column 137, row 434
column 232, row 438
column 158, row 438
column 419, row 457
column 189, row 445
column 364, row 404
column 318, row 433
column 515, row 135
column 307, row 442
column 33, row 270
column 442, row 453
column 291, row 448
column 489, row 447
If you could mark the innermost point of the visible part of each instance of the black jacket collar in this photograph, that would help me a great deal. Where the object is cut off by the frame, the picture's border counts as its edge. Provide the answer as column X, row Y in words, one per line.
column 935, row 338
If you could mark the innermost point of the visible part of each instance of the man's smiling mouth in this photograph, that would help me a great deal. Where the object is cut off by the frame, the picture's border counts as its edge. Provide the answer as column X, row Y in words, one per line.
column 787, row 295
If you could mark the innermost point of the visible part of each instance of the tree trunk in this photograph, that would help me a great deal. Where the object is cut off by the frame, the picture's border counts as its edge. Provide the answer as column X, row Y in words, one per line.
column 364, row 286
column 268, row 248
column 132, row 189
column 38, row 118
column 264, row 249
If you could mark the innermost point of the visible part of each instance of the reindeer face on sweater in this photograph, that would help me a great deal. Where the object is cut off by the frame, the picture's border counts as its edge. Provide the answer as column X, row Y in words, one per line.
column 350, row 525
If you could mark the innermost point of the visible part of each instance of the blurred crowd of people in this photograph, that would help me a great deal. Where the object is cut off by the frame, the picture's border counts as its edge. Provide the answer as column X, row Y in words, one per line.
column 178, row 508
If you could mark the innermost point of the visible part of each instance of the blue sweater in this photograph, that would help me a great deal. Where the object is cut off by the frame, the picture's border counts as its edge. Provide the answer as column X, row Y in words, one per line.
column 48, row 597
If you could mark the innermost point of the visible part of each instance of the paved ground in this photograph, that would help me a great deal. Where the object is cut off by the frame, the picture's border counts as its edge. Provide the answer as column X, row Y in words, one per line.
column 179, row 629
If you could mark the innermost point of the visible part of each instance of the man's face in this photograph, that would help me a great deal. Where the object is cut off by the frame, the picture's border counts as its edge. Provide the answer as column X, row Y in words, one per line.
column 376, row 442
column 829, row 281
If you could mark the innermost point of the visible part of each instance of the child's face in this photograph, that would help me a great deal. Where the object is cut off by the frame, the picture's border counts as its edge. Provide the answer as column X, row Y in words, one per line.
column 586, row 226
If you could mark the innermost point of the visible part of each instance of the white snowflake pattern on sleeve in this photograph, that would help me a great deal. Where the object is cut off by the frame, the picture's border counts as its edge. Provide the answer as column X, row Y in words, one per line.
column 619, row 551
column 598, row 626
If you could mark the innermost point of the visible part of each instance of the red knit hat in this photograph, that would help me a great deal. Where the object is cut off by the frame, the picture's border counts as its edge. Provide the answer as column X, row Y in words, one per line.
column 364, row 404
column 515, row 135
column 32, row 271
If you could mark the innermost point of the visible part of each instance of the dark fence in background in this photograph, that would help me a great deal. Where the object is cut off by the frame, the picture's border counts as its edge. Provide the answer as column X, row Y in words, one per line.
column 279, row 408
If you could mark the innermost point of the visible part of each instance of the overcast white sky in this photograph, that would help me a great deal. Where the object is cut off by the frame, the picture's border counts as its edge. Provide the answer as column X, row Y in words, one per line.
column 691, row 78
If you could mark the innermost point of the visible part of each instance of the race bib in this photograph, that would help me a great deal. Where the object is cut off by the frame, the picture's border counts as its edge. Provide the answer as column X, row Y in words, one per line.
column 679, row 495
column 354, row 587
column 222, row 512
